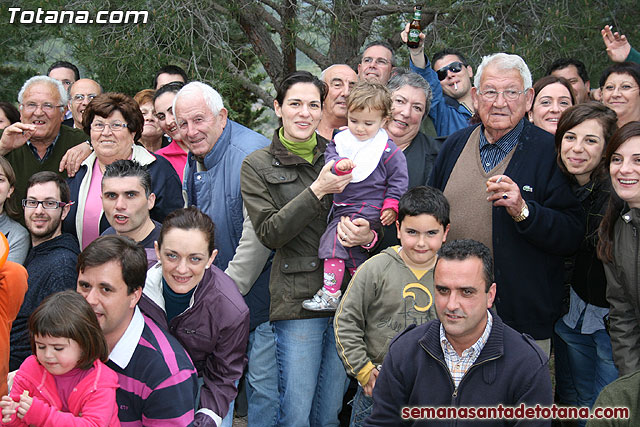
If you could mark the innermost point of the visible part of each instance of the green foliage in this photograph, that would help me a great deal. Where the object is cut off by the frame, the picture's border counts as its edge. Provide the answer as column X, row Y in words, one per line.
column 213, row 41
column 540, row 31
column 25, row 47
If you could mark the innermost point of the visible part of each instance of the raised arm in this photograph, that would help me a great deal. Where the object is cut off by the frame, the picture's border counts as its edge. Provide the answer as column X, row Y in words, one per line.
column 618, row 47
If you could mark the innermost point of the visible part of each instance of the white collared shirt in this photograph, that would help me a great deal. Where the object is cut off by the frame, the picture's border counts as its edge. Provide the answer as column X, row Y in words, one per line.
column 123, row 351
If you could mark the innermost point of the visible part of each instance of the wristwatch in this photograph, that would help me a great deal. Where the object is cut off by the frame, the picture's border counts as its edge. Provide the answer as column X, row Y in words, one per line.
column 524, row 214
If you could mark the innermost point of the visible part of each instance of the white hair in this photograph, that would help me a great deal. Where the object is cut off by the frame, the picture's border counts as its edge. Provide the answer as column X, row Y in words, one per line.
column 64, row 97
column 211, row 96
column 504, row 61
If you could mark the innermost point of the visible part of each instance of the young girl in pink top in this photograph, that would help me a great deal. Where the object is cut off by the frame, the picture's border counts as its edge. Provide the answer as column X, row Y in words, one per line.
column 66, row 382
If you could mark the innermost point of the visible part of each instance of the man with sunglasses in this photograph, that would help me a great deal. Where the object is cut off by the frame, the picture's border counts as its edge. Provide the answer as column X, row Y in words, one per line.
column 80, row 94
column 450, row 81
column 38, row 141
column 51, row 261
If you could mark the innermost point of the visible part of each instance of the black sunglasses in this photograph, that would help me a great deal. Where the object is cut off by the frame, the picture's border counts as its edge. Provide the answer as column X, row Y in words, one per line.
column 455, row 67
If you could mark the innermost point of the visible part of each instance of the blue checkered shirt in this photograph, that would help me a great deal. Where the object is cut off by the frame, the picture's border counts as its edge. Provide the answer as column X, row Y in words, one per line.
column 492, row 154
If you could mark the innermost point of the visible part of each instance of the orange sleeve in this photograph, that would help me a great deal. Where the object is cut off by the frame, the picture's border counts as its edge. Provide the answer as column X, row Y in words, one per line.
column 13, row 286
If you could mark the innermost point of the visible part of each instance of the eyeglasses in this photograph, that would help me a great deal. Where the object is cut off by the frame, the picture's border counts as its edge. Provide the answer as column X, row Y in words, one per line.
column 624, row 88
column 492, row 95
column 80, row 97
column 115, row 127
column 454, row 67
column 47, row 204
column 46, row 107
column 379, row 61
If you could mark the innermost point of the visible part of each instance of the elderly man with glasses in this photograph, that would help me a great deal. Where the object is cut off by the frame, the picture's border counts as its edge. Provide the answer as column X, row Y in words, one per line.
column 506, row 191
column 51, row 261
column 38, row 141
column 450, row 81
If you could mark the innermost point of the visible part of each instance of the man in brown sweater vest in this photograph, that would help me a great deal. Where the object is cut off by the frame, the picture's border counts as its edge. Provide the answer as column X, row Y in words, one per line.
column 507, row 192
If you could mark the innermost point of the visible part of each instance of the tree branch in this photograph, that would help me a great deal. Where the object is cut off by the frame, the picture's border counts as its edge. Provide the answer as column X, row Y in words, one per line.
column 322, row 6
column 251, row 86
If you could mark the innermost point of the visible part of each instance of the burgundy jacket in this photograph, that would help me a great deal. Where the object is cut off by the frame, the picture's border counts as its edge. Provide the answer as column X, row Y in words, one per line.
column 214, row 330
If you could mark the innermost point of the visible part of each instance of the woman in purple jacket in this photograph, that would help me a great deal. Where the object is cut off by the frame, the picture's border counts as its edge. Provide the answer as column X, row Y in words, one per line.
column 202, row 307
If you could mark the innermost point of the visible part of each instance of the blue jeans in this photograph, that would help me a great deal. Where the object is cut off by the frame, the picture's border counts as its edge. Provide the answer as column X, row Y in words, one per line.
column 262, row 377
column 312, row 379
column 227, row 421
column 565, row 390
column 590, row 360
column 361, row 408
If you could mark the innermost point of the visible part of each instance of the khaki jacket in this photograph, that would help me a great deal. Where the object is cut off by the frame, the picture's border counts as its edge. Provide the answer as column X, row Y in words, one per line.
column 289, row 219
column 623, row 293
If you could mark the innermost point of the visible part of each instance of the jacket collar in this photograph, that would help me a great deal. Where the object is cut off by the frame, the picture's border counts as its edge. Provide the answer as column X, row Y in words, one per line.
column 493, row 348
column 153, row 285
column 631, row 215
column 219, row 149
column 285, row 158
column 139, row 154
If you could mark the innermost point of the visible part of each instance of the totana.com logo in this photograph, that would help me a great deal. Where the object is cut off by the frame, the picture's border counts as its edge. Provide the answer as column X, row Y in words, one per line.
column 40, row 16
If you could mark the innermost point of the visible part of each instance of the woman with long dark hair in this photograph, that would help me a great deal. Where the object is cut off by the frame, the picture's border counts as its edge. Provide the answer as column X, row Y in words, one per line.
column 619, row 247
column 581, row 137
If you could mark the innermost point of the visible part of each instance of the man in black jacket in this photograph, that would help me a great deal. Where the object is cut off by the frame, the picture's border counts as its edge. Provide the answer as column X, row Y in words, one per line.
column 467, row 359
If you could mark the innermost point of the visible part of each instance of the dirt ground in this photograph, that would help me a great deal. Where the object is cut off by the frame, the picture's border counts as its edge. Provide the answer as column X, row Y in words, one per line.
column 240, row 422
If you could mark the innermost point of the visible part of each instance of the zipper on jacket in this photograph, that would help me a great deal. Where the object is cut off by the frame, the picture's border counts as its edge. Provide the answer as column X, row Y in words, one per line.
column 635, row 231
column 456, row 388
column 446, row 368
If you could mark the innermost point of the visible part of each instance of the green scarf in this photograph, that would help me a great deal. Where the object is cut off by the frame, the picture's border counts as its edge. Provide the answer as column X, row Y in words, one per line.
column 302, row 149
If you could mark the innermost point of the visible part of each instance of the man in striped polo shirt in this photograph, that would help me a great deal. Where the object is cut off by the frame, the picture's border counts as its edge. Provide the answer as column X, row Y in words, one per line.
column 158, row 383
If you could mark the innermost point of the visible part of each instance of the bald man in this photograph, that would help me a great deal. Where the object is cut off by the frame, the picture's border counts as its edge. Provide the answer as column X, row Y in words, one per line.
column 80, row 94
column 339, row 78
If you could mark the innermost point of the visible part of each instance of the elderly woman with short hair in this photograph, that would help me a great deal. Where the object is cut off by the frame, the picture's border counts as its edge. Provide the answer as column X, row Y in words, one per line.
column 115, row 123
column 411, row 99
column 620, row 86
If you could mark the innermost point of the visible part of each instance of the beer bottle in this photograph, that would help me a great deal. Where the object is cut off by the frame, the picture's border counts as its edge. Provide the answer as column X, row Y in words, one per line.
column 414, row 28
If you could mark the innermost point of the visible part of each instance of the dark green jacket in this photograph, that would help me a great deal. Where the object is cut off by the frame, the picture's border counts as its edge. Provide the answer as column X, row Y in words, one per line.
column 623, row 293
column 288, row 218
column 622, row 393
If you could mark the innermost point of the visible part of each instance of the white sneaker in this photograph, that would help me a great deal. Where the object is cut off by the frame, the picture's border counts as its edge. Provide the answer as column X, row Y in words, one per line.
column 323, row 300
